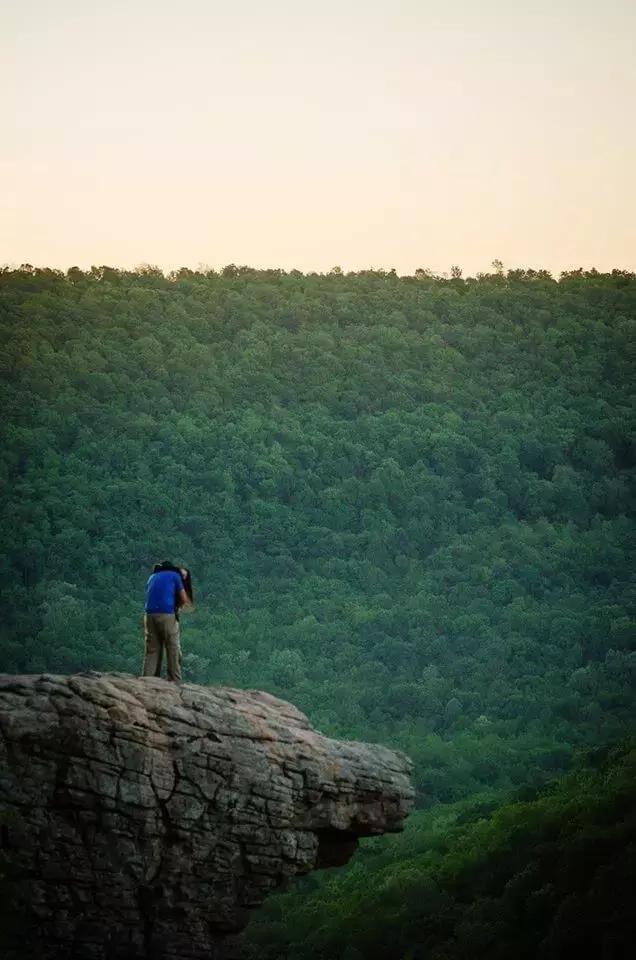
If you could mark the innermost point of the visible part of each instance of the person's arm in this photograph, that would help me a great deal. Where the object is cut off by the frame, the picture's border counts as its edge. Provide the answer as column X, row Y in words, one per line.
column 183, row 600
column 181, row 597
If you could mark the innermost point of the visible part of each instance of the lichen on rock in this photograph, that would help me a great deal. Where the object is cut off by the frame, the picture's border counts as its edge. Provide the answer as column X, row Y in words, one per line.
column 145, row 819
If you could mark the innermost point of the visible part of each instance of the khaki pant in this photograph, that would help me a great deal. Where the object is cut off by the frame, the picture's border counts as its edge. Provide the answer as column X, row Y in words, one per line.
column 161, row 632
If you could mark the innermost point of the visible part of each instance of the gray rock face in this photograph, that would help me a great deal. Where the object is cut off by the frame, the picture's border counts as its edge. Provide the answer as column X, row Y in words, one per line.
column 145, row 819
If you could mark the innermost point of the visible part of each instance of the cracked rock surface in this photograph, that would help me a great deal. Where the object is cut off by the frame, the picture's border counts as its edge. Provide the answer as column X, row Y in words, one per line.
column 143, row 820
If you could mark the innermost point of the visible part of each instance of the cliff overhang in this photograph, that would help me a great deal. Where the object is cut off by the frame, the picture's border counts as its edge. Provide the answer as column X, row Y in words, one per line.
column 144, row 819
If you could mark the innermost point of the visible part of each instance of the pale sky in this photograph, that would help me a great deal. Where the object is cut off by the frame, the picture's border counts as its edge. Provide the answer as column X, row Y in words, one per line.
column 401, row 134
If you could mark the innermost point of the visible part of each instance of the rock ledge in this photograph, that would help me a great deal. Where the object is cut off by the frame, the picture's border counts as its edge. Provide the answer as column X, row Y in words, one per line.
column 144, row 820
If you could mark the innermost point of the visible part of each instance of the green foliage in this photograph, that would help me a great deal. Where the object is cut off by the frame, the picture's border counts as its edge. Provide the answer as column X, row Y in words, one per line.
column 405, row 501
column 542, row 878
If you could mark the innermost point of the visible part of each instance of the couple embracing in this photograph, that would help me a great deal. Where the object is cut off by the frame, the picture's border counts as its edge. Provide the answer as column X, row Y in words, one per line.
column 168, row 591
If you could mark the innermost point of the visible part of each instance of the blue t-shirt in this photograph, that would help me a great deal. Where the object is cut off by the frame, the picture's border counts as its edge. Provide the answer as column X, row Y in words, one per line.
column 162, row 590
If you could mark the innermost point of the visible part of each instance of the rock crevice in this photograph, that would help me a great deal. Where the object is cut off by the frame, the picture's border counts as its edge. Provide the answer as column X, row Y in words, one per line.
column 145, row 820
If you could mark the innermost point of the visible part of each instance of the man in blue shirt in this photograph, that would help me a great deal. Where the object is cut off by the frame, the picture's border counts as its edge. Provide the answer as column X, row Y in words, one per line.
column 165, row 595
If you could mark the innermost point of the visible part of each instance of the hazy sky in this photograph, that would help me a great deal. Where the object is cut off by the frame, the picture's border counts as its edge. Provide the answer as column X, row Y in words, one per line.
column 295, row 134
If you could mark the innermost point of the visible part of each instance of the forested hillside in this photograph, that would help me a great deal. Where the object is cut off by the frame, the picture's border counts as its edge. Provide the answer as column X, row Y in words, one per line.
column 547, row 877
column 404, row 501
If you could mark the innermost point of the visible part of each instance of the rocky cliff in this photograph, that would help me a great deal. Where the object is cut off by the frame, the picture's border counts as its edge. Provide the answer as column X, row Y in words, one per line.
column 140, row 819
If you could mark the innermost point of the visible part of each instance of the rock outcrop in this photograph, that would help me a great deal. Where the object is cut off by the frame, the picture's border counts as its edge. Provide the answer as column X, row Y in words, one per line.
column 141, row 819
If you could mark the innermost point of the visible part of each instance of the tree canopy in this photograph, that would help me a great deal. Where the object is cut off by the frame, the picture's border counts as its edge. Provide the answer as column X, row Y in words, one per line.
column 405, row 501
column 543, row 877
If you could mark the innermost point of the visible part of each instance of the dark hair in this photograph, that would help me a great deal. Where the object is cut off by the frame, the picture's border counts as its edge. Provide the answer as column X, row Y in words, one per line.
column 187, row 583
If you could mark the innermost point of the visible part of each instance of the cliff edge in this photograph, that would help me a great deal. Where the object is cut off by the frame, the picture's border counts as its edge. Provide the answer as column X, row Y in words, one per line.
column 142, row 820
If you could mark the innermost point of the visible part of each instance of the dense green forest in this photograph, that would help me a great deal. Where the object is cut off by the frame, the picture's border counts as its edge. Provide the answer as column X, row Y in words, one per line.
column 550, row 877
column 405, row 500
column 406, row 504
